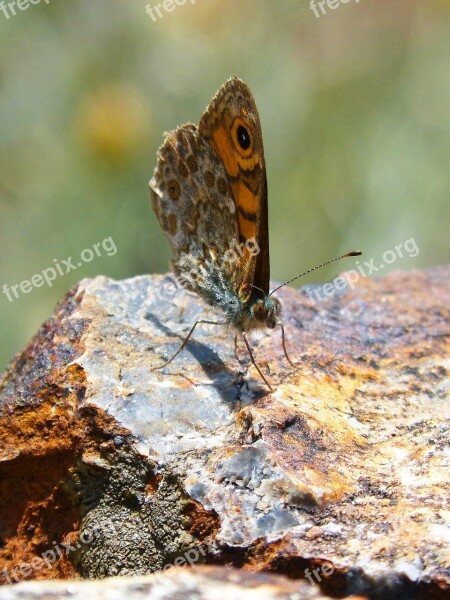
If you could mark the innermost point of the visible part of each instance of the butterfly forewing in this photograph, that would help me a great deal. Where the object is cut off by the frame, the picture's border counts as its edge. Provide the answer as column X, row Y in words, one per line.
column 231, row 126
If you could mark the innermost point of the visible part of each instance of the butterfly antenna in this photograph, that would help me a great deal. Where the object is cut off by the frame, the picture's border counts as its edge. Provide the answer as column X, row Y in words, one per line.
column 353, row 253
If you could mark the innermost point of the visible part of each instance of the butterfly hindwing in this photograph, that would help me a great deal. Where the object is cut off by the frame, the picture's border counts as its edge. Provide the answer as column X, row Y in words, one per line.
column 194, row 204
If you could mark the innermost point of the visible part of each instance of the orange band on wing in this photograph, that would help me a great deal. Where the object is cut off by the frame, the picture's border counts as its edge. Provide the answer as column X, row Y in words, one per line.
column 245, row 198
column 247, row 202
column 225, row 150
column 247, row 229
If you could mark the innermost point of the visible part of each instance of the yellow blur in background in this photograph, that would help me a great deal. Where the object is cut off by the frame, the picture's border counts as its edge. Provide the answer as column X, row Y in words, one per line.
column 354, row 105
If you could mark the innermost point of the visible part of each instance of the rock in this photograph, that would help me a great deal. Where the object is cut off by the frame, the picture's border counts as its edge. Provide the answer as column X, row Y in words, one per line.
column 339, row 476
column 201, row 583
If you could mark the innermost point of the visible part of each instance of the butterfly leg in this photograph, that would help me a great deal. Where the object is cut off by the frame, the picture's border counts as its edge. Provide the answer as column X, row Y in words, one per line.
column 283, row 342
column 244, row 337
column 236, row 354
column 185, row 341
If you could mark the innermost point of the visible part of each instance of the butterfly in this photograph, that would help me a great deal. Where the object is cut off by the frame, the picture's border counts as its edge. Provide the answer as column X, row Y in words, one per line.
column 209, row 194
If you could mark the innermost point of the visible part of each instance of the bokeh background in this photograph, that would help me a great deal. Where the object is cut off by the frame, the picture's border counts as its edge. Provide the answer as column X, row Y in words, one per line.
column 354, row 108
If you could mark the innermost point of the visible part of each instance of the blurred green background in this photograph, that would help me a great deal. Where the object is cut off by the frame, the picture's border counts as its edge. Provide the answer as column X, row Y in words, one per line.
column 354, row 108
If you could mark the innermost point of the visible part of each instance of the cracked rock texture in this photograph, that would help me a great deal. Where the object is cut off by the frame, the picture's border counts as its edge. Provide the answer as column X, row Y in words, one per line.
column 121, row 470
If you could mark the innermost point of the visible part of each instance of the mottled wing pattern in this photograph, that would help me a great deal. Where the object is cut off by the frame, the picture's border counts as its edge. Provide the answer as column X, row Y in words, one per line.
column 232, row 109
column 194, row 204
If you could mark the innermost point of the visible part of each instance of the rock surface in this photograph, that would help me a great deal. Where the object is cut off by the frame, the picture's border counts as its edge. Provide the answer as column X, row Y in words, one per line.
column 200, row 583
column 118, row 470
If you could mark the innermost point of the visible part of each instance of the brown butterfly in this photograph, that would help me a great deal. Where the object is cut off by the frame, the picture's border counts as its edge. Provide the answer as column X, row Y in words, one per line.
column 209, row 193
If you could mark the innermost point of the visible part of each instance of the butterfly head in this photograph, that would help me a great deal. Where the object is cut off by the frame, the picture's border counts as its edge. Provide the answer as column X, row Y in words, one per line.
column 265, row 312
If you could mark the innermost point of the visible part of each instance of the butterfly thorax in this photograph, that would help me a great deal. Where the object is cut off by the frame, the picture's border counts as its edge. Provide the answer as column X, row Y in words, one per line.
column 243, row 311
